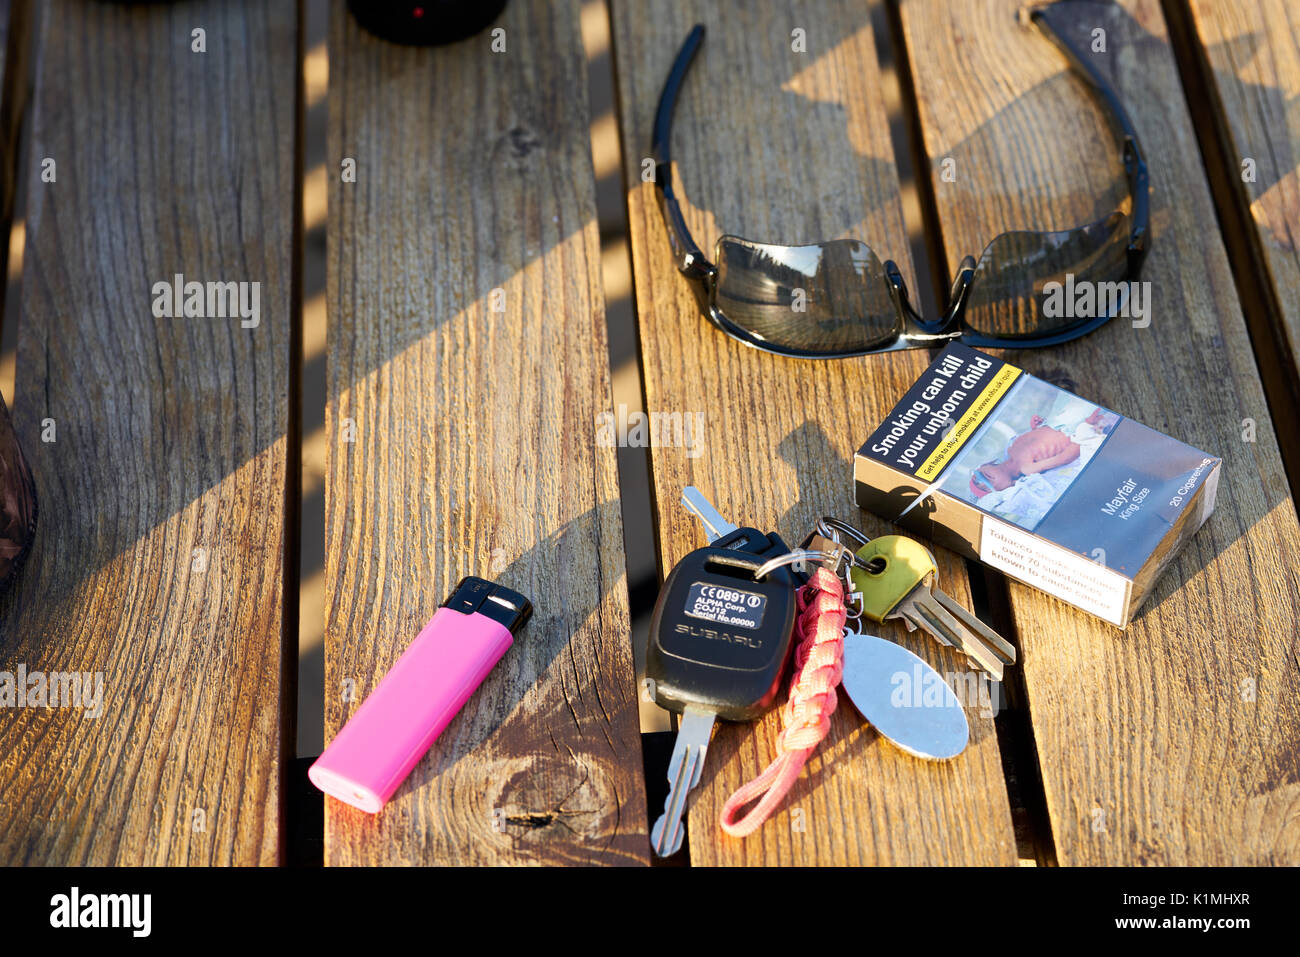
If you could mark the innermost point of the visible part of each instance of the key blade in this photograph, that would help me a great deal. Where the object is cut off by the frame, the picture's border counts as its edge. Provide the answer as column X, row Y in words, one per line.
column 941, row 626
column 684, row 770
column 715, row 526
column 1003, row 649
column 921, row 608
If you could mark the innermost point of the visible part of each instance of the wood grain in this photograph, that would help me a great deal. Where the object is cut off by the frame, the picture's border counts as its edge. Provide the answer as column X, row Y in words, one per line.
column 1252, row 49
column 474, row 451
column 1176, row 741
column 158, row 445
column 787, row 147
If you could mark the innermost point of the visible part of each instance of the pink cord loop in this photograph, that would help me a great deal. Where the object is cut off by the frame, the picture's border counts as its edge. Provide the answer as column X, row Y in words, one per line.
column 818, row 668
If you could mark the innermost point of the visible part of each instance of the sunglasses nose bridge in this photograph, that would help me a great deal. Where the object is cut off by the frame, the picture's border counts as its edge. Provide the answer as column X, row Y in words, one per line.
column 960, row 291
column 913, row 323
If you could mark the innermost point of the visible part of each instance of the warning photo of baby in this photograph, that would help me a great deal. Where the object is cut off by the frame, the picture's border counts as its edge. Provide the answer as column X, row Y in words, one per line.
column 1030, row 450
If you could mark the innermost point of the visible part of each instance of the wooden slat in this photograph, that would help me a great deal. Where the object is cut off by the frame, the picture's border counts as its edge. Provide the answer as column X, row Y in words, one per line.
column 1252, row 48
column 475, row 445
column 787, row 147
column 1174, row 742
column 159, row 556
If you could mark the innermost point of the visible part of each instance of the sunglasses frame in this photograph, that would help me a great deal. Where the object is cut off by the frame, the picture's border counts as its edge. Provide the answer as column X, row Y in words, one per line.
column 911, row 331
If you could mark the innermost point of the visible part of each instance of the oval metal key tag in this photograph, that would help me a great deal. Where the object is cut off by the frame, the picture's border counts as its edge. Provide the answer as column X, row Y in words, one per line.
column 903, row 698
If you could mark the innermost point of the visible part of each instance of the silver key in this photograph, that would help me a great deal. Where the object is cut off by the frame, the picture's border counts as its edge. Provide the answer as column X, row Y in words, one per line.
column 715, row 526
column 684, row 769
column 931, row 610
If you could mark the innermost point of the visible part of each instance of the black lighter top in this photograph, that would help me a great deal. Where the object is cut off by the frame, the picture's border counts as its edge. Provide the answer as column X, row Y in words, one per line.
column 495, row 601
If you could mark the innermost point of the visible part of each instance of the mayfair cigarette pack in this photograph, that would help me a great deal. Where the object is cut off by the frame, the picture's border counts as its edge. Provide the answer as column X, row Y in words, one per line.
column 1048, row 488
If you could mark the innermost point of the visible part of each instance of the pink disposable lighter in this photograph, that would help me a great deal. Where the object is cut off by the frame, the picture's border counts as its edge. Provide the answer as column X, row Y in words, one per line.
column 397, row 723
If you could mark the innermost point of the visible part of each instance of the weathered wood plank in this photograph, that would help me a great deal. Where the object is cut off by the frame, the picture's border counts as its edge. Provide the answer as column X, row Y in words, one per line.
column 789, row 147
column 1176, row 741
column 475, row 443
column 1252, row 50
column 158, row 444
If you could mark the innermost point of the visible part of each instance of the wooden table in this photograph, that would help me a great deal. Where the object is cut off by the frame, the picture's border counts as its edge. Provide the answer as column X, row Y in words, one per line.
column 466, row 365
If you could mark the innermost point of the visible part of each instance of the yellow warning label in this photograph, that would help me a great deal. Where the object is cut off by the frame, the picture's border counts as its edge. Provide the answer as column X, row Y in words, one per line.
column 970, row 421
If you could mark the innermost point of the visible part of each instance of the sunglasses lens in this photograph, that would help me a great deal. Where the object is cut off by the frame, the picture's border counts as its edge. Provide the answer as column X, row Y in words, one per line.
column 1030, row 284
column 824, row 299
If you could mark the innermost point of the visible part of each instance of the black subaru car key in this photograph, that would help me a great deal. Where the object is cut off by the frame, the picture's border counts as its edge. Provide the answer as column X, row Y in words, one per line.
column 718, row 637
column 720, row 640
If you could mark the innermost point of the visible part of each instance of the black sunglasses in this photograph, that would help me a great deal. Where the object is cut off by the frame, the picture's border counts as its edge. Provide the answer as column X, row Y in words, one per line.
column 836, row 299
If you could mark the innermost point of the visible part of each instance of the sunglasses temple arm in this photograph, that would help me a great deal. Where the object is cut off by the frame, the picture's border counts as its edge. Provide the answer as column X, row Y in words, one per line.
column 1135, row 165
column 690, row 260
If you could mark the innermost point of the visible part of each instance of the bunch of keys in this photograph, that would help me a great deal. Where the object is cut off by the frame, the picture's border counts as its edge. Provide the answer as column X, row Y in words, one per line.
column 722, row 628
column 895, row 577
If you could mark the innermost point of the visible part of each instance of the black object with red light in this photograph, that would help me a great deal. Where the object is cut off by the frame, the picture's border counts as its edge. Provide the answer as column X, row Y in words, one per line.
column 431, row 23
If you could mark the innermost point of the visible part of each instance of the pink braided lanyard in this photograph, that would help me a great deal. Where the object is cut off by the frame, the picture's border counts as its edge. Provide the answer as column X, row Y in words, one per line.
column 819, row 666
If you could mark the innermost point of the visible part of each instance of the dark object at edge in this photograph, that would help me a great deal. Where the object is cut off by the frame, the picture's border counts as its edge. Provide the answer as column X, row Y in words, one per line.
column 433, row 23
column 17, row 501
